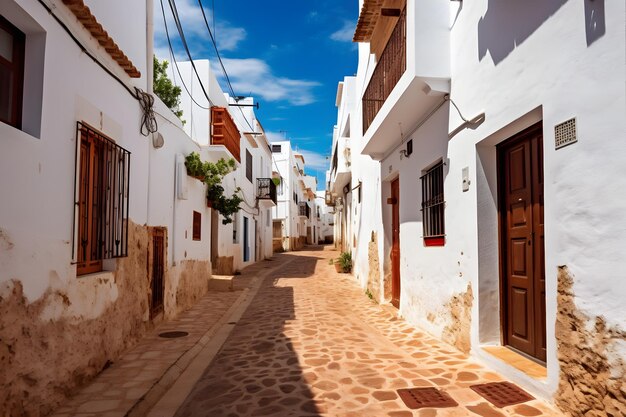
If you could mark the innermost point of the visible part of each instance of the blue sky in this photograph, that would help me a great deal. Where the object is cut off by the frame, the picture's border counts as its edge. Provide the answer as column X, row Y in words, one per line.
column 288, row 55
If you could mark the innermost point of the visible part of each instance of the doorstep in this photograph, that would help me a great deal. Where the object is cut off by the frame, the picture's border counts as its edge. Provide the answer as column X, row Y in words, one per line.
column 518, row 361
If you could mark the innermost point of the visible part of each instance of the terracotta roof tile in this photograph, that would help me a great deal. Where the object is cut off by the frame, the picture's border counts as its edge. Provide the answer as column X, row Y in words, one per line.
column 370, row 12
column 89, row 22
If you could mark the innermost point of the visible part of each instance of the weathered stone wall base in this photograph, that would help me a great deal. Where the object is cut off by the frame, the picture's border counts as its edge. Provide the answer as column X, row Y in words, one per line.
column 593, row 373
column 224, row 265
column 193, row 283
column 457, row 333
column 47, row 349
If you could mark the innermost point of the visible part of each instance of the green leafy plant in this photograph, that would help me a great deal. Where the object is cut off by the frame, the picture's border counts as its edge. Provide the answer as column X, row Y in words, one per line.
column 276, row 181
column 212, row 174
column 165, row 89
column 369, row 294
column 345, row 260
column 330, row 262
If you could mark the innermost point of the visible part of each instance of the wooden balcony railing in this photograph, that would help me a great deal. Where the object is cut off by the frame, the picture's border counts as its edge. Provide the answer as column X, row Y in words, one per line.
column 266, row 189
column 387, row 73
column 224, row 131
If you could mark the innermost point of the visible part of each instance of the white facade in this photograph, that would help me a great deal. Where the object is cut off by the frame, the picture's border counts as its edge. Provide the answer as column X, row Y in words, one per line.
column 248, row 238
column 96, row 315
column 498, row 64
column 295, row 194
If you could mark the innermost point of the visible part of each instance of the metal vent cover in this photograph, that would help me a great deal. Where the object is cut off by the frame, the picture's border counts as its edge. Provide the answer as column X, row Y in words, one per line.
column 565, row 133
column 502, row 394
column 415, row 398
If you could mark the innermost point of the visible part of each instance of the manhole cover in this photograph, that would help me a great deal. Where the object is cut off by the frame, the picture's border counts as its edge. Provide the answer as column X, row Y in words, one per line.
column 426, row 397
column 502, row 394
column 173, row 335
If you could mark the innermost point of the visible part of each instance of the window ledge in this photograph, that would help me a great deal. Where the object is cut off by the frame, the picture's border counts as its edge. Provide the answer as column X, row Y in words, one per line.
column 101, row 275
column 517, row 361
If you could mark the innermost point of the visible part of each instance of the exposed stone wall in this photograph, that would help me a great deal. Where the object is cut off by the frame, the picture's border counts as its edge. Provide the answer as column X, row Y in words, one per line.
column 457, row 333
column 224, row 265
column 593, row 373
column 48, row 349
column 373, row 277
column 192, row 284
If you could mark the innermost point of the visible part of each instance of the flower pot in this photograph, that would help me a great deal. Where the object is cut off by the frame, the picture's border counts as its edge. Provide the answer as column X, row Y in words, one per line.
column 338, row 267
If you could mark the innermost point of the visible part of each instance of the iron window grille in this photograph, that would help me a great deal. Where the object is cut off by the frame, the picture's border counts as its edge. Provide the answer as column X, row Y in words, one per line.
column 433, row 205
column 276, row 148
column 102, row 187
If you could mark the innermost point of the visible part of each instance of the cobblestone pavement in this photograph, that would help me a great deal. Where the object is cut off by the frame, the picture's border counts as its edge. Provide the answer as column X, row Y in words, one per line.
column 155, row 360
column 312, row 344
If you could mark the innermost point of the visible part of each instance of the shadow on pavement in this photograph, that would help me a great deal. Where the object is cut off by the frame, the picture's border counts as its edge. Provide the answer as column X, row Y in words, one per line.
column 257, row 372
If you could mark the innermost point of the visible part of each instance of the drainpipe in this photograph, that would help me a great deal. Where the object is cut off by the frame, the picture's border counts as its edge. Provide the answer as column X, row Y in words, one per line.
column 149, row 45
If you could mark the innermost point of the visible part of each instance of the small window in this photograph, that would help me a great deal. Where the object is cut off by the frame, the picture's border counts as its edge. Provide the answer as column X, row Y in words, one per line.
column 102, row 189
column 197, row 226
column 12, row 42
column 276, row 148
column 433, row 206
column 248, row 165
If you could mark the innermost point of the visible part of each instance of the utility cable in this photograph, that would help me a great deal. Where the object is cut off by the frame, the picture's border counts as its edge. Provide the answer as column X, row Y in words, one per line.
column 217, row 52
column 173, row 55
column 181, row 33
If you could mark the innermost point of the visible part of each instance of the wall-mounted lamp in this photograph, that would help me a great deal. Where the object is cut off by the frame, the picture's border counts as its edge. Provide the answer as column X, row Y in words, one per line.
column 408, row 151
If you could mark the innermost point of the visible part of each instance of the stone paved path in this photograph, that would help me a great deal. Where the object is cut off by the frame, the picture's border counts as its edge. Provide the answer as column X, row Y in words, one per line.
column 312, row 344
column 119, row 389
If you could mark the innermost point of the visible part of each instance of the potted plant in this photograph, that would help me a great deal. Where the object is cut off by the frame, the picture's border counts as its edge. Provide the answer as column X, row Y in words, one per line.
column 344, row 262
column 195, row 167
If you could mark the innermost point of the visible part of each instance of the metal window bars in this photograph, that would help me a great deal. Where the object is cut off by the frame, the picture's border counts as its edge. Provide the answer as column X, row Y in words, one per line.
column 102, row 188
column 433, row 202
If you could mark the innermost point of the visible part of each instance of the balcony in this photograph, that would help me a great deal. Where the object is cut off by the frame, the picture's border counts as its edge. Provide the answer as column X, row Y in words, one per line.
column 411, row 76
column 304, row 210
column 224, row 131
column 266, row 191
column 389, row 70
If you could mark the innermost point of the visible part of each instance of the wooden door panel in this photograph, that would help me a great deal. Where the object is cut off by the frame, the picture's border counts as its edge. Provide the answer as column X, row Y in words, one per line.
column 395, row 243
column 521, row 209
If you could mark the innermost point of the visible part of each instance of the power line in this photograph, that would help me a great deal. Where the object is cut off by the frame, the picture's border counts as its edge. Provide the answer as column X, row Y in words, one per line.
column 181, row 33
column 173, row 56
column 217, row 52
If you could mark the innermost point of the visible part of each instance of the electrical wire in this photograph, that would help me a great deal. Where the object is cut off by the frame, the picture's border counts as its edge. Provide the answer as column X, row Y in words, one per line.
column 181, row 33
column 217, row 52
column 148, row 120
column 173, row 56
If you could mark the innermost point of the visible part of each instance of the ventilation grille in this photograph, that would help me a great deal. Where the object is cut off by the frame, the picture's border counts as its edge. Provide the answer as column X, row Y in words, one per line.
column 565, row 133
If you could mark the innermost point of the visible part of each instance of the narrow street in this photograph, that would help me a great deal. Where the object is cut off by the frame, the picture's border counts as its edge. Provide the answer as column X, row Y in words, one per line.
column 311, row 343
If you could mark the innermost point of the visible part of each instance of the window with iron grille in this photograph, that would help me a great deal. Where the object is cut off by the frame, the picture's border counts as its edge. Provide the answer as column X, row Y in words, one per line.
column 248, row 165
column 102, row 184
column 276, row 148
column 197, row 226
column 12, row 43
column 433, row 206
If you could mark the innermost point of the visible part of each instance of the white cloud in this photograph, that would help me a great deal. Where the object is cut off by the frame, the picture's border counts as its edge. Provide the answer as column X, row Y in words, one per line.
column 254, row 76
column 345, row 33
column 227, row 36
column 314, row 160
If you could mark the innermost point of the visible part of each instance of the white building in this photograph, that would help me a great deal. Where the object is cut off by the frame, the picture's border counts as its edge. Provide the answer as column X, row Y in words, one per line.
column 495, row 163
column 296, row 198
column 326, row 218
column 248, row 238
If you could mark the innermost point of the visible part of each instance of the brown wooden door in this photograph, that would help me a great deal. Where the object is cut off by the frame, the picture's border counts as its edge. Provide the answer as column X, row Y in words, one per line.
column 522, row 247
column 395, row 243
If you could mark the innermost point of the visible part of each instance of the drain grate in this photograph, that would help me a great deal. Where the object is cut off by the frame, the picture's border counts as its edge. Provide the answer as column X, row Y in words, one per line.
column 502, row 394
column 173, row 335
column 426, row 397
